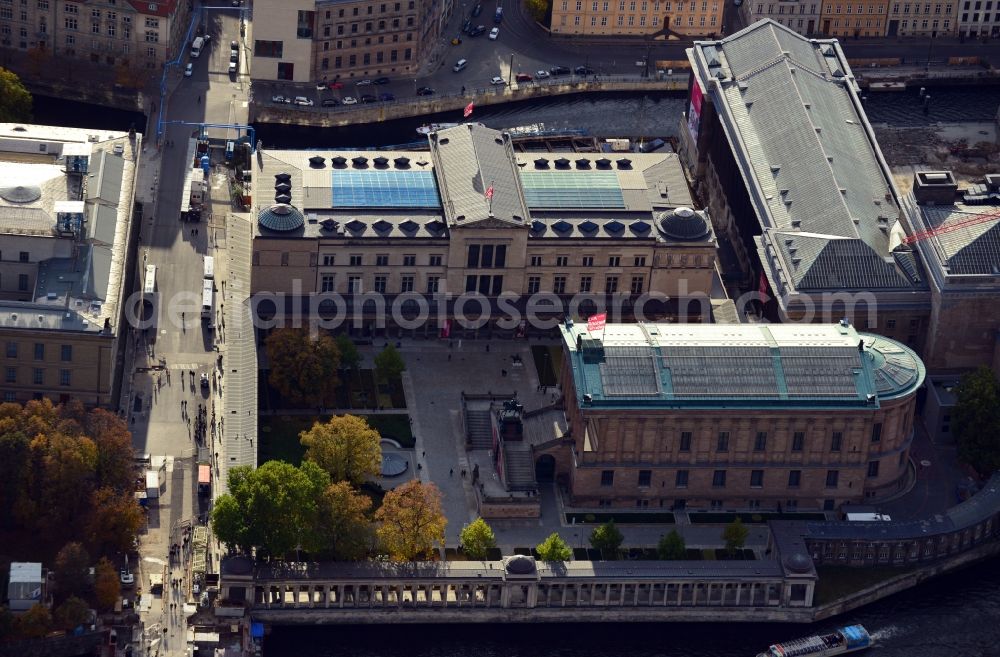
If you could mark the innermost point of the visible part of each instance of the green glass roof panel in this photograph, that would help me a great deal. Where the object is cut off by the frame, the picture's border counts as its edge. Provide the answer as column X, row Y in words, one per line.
column 384, row 189
column 572, row 189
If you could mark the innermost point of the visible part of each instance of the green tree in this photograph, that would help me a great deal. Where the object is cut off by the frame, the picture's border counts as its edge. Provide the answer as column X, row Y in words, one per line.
column 344, row 528
column 346, row 447
column 410, row 521
column 975, row 420
column 537, row 9
column 607, row 539
column 735, row 535
column 389, row 365
column 15, row 101
column 554, row 549
column 303, row 369
column 671, row 547
column 478, row 539
column 107, row 586
column 71, row 614
column 350, row 357
column 35, row 623
column 273, row 508
column 72, row 571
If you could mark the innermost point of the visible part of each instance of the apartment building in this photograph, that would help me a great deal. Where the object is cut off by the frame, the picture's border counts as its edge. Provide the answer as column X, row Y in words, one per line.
column 637, row 17
column 978, row 18
column 803, row 16
column 735, row 417
column 131, row 34
column 474, row 221
column 343, row 39
column 924, row 19
column 846, row 19
column 66, row 199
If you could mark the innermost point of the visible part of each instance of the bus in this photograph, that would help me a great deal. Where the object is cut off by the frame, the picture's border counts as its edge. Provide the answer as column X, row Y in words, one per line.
column 209, row 268
column 207, row 300
column 149, row 282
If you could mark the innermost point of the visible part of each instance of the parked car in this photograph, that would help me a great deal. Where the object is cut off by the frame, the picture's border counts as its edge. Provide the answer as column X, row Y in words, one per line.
column 386, row 97
column 234, row 56
column 232, row 68
column 280, row 99
column 541, row 75
column 350, row 100
column 204, row 376
column 425, row 91
column 320, row 86
column 459, row 65
column 523, row 77
column 466, row 26
column 496, row 79
column 477, row 30
column 329, row 102
column 363, row 83
column 368, row 98
column 583, row 70
column 494, row 34
column 559, row 70
column 381, row 81
column 126, row 577
column 233, row 45
column 188, row 70
column 302, row 100
column 478, row 9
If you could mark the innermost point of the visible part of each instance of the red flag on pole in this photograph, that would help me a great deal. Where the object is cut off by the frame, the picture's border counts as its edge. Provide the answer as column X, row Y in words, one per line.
column 468, row 111
column 596, row 322
column 489, row 192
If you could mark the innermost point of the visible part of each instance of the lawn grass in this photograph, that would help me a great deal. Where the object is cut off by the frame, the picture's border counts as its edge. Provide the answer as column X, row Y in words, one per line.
column 278, row 435
column 835, row 582
column 621, row 518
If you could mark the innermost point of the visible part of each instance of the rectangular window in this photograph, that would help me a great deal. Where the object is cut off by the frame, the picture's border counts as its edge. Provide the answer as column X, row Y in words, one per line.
column 760, row 442
column 435, row 261
column 380, row 283
column 588, row 261
column 559, row 285
column 585, row 283
column 640, row 261
column 432, row 284
column 534, row 283
column 645, row 478
column 637, row 283
column 681, row 479
column 756, row 479
column 562, row 261
column 39, row 351
column 836, row 441
column 64, row 377
column 66, row 353
column 607, row 477
column 723, row 443
column 409, row 260
column 611, row 285
column 11, row 375
column 472, row 261
column 355, row 260
column 406, row 284
column 274, row 49
column 382, row 260
column 354, row 285
column 327, row 283
column 798, row 440
column 872, row 469
column 614, row 261
column 328, row 259
column 832, row 478
column 877, row 432
column 685, row 441
column 486, row 261
column 39, row 376
column 719, row 479
column 500, row 256
column 11, row 350
column 794, row 478
column 536, row 261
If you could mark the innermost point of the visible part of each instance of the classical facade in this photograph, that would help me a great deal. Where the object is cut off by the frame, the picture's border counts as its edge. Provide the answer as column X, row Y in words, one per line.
column 923, row 19
column 131, row 35
column 978, row 18
column 637, row 17
column 846, row 19
column 475, row 225
column 736, row 416
column 803, row 16
column 66, row 200
column 342, row 39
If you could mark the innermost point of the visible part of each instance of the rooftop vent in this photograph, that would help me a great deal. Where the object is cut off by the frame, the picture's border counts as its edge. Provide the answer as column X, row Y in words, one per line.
column 317, row 162
column 603, row 163
column 541, row 163
column 583, row 163
column 382, row 226
column 409, row 226
column 563, row 227
column 339, row 161
column 402, row 162
column 588, row 228
column 562, row 163
column 381, row 162
column 359, row 161
column 624, row 163
column 329, row 224
column 355, row 226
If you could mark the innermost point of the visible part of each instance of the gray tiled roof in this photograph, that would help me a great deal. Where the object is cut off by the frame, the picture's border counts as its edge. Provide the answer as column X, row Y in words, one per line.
column 469, row 159
column 792, row 116
column 972, row 249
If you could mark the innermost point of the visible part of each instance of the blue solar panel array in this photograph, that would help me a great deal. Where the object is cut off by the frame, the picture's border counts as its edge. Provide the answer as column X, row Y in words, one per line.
column 370, row 188
column 571, row 189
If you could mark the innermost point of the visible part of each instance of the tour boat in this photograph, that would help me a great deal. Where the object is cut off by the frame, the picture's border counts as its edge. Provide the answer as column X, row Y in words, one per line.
column 845, row 640
column 434, row 127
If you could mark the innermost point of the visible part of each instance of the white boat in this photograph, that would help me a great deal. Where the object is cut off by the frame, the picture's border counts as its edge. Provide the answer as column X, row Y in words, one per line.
column 845, row 640
column 428, row 128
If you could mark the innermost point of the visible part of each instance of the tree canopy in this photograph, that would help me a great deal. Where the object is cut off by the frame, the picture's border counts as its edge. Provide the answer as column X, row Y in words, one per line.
column 72, row 571
column 344, row 527
column 273, row 508
column 478, row 539
column 350, row 357
column 15, row 101
column 671, row 547
column 554, row 548
column 303, row 368
column 71, row 614
column 537, row 9
column 735, row 535
column 389, row 364
column 107, row 586
column 975, row 420
column 411, row 521
column 346, row 447
column 608, row 539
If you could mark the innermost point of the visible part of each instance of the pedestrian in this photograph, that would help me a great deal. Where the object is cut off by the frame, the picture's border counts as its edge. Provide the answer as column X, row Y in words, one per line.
column 423, row 454
column 463, row 473
column 449, row 358
column 451, row 471
column 463, row 88
column 487, row 348
column 503, row 372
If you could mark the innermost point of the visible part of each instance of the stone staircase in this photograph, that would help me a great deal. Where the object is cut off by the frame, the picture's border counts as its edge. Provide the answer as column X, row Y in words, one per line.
column 477, row 423
column 520, row 469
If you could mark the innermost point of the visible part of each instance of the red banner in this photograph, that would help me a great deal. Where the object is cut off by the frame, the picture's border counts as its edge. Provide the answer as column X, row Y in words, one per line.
column 468, row 111
column 597, row 322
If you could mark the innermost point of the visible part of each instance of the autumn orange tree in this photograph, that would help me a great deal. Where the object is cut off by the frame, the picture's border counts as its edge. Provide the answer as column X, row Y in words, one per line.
column 411, row 521
column 303, row 368
column 344, row 528
column 346, row 447
column 107, row 586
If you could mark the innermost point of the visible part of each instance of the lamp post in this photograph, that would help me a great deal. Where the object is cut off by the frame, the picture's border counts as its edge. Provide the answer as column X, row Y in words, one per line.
column 510, row 73
column 930, row 48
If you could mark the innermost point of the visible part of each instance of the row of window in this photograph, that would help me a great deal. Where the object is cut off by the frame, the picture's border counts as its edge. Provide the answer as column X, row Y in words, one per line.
column 38, row 376
column 586, row 284
column 369, row 26
column 328, row 283
column 643, row 7
column 65, row 351
column 682, row 477
column 96, row 44
column 366, row 58
column 715, row 505
column 621, row 21
column 782, row 8
column 487, row 256
column 370, row 9
column 760, row 440
column 927, row 8
column 381, row 260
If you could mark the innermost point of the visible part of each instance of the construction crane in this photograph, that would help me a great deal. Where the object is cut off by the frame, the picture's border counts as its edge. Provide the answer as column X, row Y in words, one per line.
column 976, row 218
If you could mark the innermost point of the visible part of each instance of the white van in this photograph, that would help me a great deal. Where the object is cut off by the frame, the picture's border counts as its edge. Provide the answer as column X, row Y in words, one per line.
column 459, row 65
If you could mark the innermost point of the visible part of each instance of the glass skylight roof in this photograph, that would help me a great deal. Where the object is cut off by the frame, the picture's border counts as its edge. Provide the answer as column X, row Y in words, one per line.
column 384, row 189
column 570, row 189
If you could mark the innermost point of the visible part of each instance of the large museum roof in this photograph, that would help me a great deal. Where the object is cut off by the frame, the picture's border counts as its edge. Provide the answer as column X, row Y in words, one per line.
column 738, row 366
column 823, row 195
